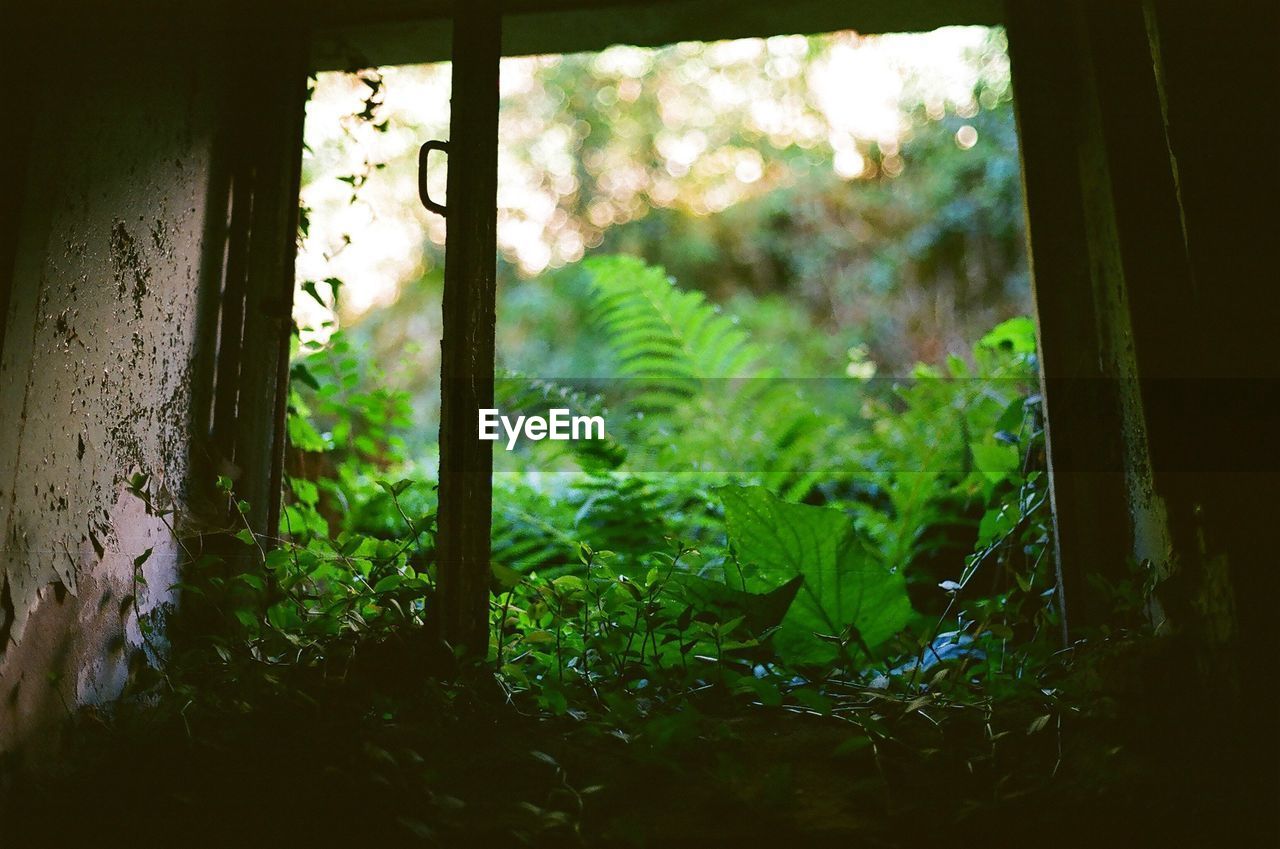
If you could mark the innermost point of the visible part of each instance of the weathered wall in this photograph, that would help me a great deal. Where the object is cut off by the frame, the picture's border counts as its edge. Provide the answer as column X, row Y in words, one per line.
column 1154, row 282
column 98, row 366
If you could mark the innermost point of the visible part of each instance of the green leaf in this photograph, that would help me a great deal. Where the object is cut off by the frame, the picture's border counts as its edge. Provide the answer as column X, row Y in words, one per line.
column 630, row 586
column 284, row 617
column 306, row 491
column 279, row 558
column 760, row 611
column 395, row 489
column 996, row 462
column 252, row 580
column 540, row 637
column 504, row 576
column 569, row 584
column 852, row 746
column 1017, row 334
column 302, row 436
column 390, row 582
column 765, row 690
column 299, row 373
column 844, row 584
column 309, row 287
column 813, row 700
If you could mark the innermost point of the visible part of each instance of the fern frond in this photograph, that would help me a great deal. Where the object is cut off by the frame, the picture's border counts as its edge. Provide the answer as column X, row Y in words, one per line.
column 519, row 394
column 709, row 396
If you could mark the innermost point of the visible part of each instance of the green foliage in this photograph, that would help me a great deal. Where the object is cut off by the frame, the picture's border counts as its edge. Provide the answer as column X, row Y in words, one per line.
column 683, row 365
column 868, row 546
column 942, row 483
column 904, row 593
column 910, row 259
column 615, row 581
column 662, row 335
column 848, row 599
column 873, row 552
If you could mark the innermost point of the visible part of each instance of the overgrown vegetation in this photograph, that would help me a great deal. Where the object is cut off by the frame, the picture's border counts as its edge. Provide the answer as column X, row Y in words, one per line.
column 814, row 611
column 813, row 667
column 642, row 570
column 637, row 614
column 842, row 226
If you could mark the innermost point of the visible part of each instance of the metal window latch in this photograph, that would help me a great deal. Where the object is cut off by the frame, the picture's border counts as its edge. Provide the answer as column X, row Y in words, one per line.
column 423, row 153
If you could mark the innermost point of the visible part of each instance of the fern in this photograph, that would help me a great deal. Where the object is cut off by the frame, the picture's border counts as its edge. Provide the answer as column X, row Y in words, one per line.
column 519, row 394
column 528, row 531
column 707, row 399
column 537, row 529
column 700, row 406
column 665, row 337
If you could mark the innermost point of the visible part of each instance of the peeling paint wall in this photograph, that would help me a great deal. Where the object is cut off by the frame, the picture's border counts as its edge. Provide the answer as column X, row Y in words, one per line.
column 96, row 376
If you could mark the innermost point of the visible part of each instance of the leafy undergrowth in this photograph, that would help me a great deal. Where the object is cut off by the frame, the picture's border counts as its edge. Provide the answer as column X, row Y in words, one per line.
column 391, row 756
column 855, row 641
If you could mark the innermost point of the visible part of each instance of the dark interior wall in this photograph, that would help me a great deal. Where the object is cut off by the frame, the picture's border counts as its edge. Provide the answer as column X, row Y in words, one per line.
column 1085, row 444
column 548, row 26
column 98, row 364
column 1216, row 72
column 382, row 32
column 145, row 148
column 13, row 160
column 1150, row 225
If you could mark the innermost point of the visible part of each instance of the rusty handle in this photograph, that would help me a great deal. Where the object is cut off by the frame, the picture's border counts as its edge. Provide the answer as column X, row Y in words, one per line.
column 423, row 153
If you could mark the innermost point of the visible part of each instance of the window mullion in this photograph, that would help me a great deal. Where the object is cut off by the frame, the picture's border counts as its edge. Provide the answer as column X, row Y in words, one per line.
column 467, row 346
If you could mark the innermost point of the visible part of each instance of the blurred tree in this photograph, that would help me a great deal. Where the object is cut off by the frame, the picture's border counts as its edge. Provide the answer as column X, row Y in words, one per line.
column 847, row 196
